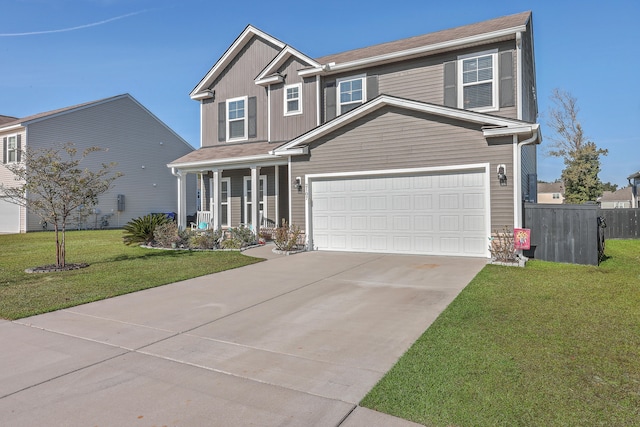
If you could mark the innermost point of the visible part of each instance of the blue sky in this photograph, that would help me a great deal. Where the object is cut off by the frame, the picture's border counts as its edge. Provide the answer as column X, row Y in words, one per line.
column 65, row 52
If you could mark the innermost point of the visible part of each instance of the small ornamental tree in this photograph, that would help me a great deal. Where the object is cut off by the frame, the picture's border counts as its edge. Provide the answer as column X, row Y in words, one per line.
column 54, row 185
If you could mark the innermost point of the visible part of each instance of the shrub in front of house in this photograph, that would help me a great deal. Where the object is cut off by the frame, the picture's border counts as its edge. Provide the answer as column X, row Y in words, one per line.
column 140, row 230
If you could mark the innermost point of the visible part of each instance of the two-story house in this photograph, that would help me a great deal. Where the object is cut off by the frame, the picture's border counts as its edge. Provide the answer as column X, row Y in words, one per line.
column 424, row 145
column 130, row 135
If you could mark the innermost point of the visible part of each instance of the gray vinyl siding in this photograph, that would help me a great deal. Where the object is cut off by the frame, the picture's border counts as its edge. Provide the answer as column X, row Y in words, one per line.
column 132, row 137
column 396, row 139
column 529, row 101
column 422, row 79
column 235, row 81
column 284, row 128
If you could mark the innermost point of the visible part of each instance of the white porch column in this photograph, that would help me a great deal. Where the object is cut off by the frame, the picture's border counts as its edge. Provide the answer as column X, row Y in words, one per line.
column 215, row 199
column 203, row 193
column 255, row 200
column 277, row 183
column 182, row 199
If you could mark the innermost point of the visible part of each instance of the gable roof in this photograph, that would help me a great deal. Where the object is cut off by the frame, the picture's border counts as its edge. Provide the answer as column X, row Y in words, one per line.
column 281, row 58
column 503, row 28
column 550, row 187
column 622, row 195
column 200, row 91
column 492, row 125
column 24, row 121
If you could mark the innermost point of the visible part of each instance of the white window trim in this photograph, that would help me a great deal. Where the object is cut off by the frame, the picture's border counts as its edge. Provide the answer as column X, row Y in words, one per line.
column 345, row 79
column 228, row 203
column 15, row 135
column 494, row 81
column 246, row 119
column 247, row 201
column 299, row 110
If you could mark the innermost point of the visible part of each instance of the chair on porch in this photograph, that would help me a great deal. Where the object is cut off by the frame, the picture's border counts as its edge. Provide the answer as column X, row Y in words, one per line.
column 203, row 221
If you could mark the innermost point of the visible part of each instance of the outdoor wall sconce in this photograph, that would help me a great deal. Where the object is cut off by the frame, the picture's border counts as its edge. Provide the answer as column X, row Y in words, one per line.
column 297, row 184
column 502, row 175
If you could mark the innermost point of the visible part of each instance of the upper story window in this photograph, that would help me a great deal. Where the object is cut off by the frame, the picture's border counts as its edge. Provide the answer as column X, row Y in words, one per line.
column 351, row 93
column 477, row 78
column 293, row 99
column 12, row 149
column 237, row 119
column 556, row 195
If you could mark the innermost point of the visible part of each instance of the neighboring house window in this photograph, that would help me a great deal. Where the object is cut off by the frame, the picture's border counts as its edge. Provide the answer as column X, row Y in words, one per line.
column 478, row 82
column 350, row 93
column 556, row 195
column 225, row 206
column 293, row 99
column 237, row 119
column 12, row 149
column 262, row 198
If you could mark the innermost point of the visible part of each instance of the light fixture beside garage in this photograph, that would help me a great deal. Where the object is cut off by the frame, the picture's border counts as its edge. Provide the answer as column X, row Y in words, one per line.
column 502, row 175
column 297, row 184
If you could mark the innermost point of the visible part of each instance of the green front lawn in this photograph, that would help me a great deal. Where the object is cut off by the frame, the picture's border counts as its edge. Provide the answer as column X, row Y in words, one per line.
column 549, row 345
column 115, row 269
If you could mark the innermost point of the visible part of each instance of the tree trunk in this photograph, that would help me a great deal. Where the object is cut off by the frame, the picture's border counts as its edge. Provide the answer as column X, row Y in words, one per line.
column 58, row 252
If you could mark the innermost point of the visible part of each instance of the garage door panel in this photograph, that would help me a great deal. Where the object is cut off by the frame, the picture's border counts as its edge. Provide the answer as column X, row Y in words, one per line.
column 9, row 217
column 423, row 214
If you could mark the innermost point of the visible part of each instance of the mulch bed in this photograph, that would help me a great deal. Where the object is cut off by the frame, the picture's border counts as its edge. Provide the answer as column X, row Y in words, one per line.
column 52, row 268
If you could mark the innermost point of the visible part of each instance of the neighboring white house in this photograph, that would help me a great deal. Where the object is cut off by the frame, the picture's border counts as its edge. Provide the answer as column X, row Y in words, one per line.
column 622, row 198
column 551, row 192
column 137, row 140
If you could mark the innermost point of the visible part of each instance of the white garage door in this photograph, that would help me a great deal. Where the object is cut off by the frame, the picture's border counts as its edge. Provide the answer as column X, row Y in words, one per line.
column 9, row 217
column 434, row 214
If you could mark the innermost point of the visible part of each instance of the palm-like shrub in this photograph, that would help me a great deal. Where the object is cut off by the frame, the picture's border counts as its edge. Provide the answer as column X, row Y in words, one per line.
column 140, row 230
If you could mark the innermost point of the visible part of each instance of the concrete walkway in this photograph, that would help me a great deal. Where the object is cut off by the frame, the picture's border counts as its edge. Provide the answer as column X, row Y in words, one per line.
column 296, row 340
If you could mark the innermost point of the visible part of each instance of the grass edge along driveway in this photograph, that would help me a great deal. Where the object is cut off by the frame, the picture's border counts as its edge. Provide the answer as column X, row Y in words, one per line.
column 114, row 269
column 551, row 344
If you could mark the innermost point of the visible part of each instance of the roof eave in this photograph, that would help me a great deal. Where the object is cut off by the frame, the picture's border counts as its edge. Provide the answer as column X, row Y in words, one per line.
column 418, row 51
column 227, row 161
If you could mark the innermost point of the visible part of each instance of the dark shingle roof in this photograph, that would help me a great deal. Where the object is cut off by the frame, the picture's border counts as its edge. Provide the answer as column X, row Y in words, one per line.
column 550, row 187
column 623, row 194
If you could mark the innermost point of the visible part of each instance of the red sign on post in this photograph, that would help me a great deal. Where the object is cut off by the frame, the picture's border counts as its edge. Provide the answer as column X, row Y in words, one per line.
column 522, row 238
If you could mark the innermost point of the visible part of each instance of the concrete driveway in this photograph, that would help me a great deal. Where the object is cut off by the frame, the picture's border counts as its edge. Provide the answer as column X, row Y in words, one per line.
column 295, row 341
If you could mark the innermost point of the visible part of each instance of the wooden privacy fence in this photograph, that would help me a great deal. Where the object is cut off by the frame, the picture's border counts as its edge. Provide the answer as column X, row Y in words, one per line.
column 621, row 223
column 563, row 233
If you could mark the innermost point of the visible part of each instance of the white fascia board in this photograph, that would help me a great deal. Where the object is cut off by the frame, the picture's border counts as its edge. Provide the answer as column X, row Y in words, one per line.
column 270, row 80
column 82, row 107
column 384, row 100
column 231, row 52
column 519, row 129
column 203, row 95
column 10, row 128
column 346, row 66
column 270, row 158
column 284, row 54
column 292, row 152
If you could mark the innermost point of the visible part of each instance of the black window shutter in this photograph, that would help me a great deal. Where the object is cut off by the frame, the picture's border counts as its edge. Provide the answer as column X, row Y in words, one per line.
column 4, row 150
column 450, row 86
column 507, row 96
column 222, row 121
column 18, row 151
column 253, row 113
column 330, row 101
column 372, row 87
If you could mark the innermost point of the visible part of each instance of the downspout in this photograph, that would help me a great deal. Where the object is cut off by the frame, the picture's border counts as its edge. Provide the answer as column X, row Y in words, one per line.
column 517, row 200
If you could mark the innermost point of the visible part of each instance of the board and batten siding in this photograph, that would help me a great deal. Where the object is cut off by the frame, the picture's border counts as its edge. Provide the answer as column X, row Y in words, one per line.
column 235, row 81
column 132, row 137
column 529, row 166
column 529, row 102
column 284, row 128
column 393, row 138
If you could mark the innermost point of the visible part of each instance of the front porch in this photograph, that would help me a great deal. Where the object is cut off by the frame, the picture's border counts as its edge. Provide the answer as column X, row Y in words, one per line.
column 236, row 191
